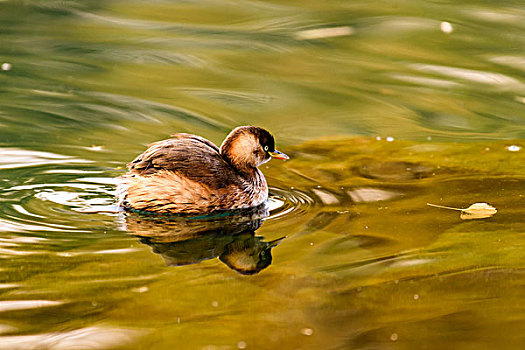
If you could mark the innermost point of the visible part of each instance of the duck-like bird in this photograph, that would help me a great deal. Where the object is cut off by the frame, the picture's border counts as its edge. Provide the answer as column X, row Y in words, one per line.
column 188, row 174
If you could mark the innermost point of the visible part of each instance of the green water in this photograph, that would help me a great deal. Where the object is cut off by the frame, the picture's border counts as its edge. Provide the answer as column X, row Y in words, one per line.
column 383, row 107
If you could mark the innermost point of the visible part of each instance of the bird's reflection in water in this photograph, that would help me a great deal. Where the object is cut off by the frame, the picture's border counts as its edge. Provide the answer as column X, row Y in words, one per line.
column 228, row 236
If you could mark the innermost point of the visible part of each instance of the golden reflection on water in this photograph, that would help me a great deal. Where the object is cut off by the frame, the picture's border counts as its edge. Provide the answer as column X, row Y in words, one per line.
column 365, row 262
column 230, row 237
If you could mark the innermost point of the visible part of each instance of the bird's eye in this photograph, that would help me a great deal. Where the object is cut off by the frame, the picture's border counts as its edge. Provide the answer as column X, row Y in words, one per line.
column 266, row 148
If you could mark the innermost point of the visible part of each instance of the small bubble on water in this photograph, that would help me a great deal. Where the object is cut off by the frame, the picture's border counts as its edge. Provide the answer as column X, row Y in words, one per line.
column 513, row 148
column 429, row 138
column 307, row 331
column 214, row 303
column 311, row 243
column 241, row 345
column 6, row 66
column 416, row 296
column 389, row 139
column 393, row 337
column 378, row 138
column 446, row 27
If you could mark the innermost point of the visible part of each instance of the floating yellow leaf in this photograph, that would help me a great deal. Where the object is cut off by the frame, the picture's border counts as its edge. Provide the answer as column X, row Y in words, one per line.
column 478, row 211
column 475, row 211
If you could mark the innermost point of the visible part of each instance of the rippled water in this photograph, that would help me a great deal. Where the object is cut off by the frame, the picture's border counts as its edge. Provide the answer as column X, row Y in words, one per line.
column 384, row 107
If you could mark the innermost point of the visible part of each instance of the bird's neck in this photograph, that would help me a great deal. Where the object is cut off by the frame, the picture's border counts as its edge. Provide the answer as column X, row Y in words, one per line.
column 239, row 162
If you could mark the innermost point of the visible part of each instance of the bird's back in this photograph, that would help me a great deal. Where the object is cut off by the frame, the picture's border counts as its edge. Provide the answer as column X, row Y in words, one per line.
column 188, row 155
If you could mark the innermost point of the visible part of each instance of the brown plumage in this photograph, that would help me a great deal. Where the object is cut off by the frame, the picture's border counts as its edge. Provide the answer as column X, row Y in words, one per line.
column 188, row 174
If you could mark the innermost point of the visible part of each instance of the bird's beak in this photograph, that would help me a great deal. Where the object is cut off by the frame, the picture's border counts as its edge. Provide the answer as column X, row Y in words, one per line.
column 278, row 155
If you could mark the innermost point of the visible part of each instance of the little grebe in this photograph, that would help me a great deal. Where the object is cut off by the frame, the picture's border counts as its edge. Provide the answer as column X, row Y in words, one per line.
column 188, row 174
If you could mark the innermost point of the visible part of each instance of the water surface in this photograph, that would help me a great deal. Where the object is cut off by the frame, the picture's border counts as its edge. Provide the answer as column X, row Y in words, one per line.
column 382, row 107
